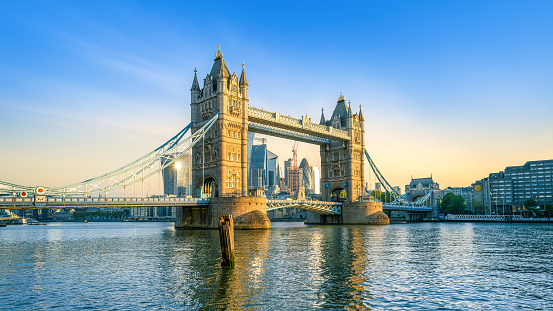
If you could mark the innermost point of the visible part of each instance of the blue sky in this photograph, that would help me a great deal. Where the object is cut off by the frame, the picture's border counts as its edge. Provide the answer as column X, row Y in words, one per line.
column 456, row 89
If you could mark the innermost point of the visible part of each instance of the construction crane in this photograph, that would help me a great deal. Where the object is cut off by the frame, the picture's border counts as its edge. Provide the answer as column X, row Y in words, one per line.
column 295, row 163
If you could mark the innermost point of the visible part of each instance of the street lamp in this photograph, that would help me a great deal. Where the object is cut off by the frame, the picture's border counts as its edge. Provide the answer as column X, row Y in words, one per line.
column 178, row 166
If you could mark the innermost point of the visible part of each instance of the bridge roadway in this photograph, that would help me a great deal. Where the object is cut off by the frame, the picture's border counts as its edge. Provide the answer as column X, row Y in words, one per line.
column 57, row 202
column 39, row 202
column 406, row 208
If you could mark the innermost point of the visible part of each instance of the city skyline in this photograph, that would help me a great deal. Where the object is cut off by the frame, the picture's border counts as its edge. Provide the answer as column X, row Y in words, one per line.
column 456, row 90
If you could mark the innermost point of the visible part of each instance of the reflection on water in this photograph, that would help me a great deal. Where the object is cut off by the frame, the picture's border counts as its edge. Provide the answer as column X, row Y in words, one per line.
column 129, row 266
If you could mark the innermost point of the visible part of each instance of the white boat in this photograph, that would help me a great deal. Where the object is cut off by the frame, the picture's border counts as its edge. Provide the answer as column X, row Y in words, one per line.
column 34, row 222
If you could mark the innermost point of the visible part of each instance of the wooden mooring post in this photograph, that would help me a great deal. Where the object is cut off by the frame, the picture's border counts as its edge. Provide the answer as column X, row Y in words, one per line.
column 226, row 237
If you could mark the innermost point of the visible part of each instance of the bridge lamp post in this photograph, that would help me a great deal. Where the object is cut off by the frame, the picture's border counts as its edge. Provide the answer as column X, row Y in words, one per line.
column 178, row 166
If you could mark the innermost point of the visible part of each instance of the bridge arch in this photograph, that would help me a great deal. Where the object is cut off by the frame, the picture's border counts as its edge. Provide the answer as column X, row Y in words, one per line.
column 338, row 194
column 209, row 187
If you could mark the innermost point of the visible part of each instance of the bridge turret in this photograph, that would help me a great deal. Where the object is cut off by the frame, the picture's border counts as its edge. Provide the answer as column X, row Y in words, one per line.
column 222, row 76
column 243, row 83
column 195, row 90
column 350, row 116
column 323, row 120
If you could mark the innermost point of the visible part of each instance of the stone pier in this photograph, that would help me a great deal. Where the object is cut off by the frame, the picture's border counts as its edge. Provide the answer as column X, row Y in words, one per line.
column 353, row 213
column 248, row 213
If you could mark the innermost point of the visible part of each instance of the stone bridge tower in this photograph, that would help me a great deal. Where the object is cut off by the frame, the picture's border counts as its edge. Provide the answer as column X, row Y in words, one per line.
column 342, row 163
column 342, row 171
column 219, row 163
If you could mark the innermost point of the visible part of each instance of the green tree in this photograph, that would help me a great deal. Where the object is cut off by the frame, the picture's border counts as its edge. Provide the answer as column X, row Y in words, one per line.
column 479, row 208
column 453, row 204
column 532, row 206
column 382, row 196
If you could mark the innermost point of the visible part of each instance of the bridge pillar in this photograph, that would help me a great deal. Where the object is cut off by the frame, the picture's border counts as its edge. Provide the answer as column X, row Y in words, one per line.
column 364, row 213
column 248, row 213
column 316, row 219
column 353, row 213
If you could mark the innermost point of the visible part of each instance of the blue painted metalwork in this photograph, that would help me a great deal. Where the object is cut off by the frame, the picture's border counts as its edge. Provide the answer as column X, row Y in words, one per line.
column 286, row 133
column 129, row 174
column 319, row 207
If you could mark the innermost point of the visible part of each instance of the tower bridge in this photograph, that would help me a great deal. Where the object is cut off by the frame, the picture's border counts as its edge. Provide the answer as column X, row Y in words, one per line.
column 221, row 117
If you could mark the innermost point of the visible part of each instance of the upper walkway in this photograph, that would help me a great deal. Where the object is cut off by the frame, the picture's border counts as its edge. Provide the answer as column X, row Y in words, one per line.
column 276, row 124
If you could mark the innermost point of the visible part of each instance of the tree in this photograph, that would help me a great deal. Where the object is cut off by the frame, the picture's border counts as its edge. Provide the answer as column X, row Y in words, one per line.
column 382, row 196
column 531, row 205
column 479, row 208
column 453, row 204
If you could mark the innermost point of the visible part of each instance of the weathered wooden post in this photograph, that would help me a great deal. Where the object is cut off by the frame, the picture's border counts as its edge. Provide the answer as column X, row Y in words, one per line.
column 226, row 237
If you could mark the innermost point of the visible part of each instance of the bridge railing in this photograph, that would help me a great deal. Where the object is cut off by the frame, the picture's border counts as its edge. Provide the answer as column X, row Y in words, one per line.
column 56, row 201
column 304, row 123
column 303, row 202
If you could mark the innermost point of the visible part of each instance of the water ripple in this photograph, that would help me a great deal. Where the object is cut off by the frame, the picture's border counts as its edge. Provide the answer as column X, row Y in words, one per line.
column 130, row 266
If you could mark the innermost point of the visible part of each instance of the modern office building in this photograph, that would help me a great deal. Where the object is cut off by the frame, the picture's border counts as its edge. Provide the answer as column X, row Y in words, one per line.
column 253, row 139
column 308, row 176
column 506, row 191
column 287, row 167
column 317, row 179
column 177, row 177
column 295, row 179
column 152, row 212
column 264, row 170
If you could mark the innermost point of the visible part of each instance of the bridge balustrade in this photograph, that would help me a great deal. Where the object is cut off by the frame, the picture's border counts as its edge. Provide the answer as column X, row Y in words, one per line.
column 276, row 117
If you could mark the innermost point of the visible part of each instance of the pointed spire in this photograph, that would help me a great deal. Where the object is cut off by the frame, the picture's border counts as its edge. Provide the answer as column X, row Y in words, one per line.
column 323, row 120
column 361, row 114
column 222, row 72
column 350, row 114
column 243, row 80
column 219, row 53
column 195, row 84
column 341, row 98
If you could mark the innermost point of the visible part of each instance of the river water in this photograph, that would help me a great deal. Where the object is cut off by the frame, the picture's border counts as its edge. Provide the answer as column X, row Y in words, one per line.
column 152, row 266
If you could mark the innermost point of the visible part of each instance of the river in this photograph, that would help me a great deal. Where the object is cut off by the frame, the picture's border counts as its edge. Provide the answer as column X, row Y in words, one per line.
column 152, row 266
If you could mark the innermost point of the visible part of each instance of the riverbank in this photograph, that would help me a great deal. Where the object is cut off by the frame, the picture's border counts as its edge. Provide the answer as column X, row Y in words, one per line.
column 497, row 218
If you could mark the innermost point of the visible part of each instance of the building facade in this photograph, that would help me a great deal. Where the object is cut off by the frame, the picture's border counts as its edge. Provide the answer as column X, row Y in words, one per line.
column 342, row 163
column 506, row 191
column 177, row 177
column 219, row 163
column 264, row 169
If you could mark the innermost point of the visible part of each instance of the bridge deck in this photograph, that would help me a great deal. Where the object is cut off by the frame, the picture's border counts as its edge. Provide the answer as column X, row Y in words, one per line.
column 54, row 202
column 319, row 207
column 406, row 208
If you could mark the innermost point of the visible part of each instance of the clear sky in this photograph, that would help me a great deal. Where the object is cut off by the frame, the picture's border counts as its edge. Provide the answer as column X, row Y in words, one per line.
column 456, row 89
